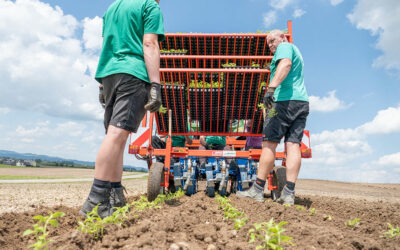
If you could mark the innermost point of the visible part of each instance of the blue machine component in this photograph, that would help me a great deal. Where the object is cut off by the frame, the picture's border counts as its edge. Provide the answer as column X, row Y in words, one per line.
column 219, row 175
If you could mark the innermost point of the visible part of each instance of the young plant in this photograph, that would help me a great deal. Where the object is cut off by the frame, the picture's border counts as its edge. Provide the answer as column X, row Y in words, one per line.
column 299, row 207
column 352, row 223
column 93, row 224
column 270, row 234
column 40, row 229
column 119, row 216
column 392, row 232
column 231, row 213
column 328, row 217
column 311, row 211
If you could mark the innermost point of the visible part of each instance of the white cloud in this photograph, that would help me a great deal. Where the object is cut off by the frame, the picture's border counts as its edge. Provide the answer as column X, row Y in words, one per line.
column 383, row 20
column 280, row 4
column 43, row 63
column 4, row 111
column 269, row 18
column 92, row 33
column 385, row 122
column 339, row 146
column 327, row 103
column 298, row 13
column 392, row 160
column 336, row 2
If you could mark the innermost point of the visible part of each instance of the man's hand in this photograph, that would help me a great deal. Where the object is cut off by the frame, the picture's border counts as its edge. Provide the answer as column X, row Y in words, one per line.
column 154, row 103
column 101, row 96
column 269, row 98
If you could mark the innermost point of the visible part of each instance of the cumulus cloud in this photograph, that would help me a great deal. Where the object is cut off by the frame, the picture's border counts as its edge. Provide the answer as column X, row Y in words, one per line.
column 298, row 13
column 336, row 2
column 327, row 103
column 382, row 19
column 339, row 146
column 385, row 122
column 280, row 4
column 43, row 61
column 392, row 160
column 269, row 18
column 92, row 36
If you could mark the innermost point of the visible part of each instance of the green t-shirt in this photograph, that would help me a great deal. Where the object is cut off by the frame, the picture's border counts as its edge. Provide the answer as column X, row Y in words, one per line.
column 216, row 140
column 124, row 25
column 292, row 88
column 178, row 140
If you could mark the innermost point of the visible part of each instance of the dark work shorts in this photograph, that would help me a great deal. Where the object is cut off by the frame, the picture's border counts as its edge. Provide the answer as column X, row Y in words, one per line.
column 125, row 97
column 288, row 120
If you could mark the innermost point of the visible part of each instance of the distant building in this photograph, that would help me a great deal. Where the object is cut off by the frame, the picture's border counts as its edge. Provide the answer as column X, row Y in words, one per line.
column 20, row 163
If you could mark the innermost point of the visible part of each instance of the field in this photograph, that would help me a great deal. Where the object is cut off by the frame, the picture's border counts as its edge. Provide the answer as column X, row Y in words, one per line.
column 317, row 221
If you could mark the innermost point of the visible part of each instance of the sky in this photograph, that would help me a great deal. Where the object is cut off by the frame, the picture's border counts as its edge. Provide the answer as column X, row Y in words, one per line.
column 50, row 48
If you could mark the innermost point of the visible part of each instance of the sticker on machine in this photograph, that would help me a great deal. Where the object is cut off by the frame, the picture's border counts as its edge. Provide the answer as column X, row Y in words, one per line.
column 229, row 153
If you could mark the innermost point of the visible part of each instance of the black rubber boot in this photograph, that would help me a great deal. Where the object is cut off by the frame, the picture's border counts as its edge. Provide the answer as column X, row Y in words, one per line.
column 117, row 197
column 98, row 196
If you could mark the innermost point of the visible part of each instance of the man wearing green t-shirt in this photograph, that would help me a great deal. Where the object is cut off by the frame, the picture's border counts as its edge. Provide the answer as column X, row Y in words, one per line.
column 177, row 141
column 287, row 101
column 213, row 143
column 128, row 71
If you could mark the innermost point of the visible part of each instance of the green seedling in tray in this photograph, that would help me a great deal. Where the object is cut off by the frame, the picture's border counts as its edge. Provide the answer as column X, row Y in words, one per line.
column 40, row 229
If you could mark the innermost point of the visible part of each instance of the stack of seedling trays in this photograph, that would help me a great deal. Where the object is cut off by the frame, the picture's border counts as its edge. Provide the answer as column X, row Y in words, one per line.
column 173, row 97
column 213, row 101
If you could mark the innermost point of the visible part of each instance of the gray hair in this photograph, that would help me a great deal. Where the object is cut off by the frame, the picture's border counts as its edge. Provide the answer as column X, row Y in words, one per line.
column 275, row 33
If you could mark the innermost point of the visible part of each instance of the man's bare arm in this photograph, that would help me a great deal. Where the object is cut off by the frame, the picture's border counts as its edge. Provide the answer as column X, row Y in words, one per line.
column 188, row 140
column 282, row 71
column 203, row 140
column 151, row 52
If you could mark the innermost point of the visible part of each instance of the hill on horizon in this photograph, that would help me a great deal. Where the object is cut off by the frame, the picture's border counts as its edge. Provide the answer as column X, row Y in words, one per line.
column 30, row 156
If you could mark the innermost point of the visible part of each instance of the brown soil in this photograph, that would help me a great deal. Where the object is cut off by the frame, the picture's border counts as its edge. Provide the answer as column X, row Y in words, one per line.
column 197, row 223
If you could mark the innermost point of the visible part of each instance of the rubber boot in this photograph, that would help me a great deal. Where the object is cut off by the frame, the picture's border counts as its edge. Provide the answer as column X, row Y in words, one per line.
column 117, row 197
column 101, row 197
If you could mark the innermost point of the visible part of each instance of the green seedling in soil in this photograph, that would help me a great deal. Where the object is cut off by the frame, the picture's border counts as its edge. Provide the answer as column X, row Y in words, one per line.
column 119, row 216
column 93, row 224
column 231, row 213
column 299, row 208
column 328, row 217
column 40, row 229
column 393, row 232
column 311, row 211
column 270, row 234
column 287, row 205
column 239, row 223
column 352, row 223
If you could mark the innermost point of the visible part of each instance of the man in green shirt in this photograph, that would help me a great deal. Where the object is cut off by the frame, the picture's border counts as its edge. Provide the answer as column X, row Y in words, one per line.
column 287, row 101
column 213, row 143
column 177, row 141
column 128, row 70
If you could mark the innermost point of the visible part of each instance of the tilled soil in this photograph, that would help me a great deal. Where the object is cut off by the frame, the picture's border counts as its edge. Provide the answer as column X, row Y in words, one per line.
column 197, row 222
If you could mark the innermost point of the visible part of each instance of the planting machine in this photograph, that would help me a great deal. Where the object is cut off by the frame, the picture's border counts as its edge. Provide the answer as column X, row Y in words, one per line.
column 211, row 85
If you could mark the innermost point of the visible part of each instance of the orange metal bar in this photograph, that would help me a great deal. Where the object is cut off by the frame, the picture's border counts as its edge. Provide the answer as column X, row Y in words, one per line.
column 215, row 57
column 290, row 31
column 217, row 70
column 218, row 34
column 144, row 121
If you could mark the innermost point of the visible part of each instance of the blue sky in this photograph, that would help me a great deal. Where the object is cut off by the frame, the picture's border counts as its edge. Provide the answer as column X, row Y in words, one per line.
column 352, row 72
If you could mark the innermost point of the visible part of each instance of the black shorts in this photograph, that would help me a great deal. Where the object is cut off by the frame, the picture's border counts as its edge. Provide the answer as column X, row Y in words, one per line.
column 125, row 97
column 288, row 120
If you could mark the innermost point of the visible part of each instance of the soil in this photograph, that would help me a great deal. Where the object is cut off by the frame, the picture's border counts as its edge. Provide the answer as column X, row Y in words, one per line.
column 197, row 222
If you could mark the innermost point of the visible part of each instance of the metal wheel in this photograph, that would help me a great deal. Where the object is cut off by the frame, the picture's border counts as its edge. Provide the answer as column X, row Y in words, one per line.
column 156, row 177
column 278, row 180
